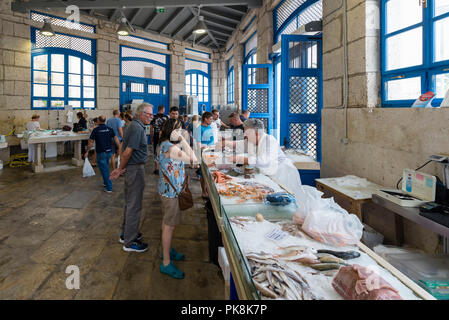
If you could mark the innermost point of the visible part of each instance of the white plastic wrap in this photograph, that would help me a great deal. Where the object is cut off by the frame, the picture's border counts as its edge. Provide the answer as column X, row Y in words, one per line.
column 88, row 171
column 334, row 227
column 307, row 199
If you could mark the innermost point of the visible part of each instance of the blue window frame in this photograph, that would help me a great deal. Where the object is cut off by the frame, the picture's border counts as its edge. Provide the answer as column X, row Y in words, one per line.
column 63, row 71
column 230, row 83
column 250, row 52
column 415, row 51
column 289, row 15
column 198, row 81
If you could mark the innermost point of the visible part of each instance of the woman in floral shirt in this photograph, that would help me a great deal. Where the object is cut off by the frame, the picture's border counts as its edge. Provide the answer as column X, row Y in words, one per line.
column 174, row 151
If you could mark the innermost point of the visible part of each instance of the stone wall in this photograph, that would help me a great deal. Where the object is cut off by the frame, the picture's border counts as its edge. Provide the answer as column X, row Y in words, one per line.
column 381, row 141
column 15, row 69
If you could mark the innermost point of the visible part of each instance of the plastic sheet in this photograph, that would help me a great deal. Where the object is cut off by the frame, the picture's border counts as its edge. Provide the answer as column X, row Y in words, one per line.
column 88, row 171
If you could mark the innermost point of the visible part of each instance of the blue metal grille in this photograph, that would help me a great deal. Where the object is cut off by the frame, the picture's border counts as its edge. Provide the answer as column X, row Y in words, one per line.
column 303, row 137
column 303, row 95
column 258, row 100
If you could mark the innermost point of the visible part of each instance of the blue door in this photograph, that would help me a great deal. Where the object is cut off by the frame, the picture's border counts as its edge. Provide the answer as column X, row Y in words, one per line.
column 148, row 90
column 257, row 93
column 301, row 93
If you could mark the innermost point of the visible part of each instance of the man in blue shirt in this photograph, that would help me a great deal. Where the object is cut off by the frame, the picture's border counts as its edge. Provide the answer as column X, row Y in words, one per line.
column 204, row 135
column 116, row 124
column 103, row 135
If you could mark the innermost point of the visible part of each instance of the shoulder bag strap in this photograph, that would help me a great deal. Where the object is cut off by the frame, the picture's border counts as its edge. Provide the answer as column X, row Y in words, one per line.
column 177, row 194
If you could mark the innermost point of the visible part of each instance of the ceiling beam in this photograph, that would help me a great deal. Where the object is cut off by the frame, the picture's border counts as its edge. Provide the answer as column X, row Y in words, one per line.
column 189, row 21
column 135, row 15
column 171, row 19
column 202, row 38
column 230, row 27
column 219, row 16
column 129, row 4
column 220, row 31
column 150, row 20
column 114, row 15
column 233, row 11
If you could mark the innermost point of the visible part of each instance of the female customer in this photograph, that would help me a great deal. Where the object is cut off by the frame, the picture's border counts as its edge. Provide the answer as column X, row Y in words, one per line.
column 31, row 126
column 174, row 151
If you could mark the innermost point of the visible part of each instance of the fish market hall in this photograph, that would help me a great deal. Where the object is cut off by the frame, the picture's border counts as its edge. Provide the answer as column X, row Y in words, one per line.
column 207, row 150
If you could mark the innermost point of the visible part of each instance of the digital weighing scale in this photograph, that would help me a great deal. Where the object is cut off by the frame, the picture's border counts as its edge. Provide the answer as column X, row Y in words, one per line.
column 417, row 189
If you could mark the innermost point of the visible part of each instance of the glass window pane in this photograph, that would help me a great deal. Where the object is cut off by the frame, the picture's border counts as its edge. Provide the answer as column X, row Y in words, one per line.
column 57, row 78
column 441, row 40
column 75, row 103
column 40, row 62
column 404, row 89
column 40, row 90
column 74, row 92
column 74, row 80
column 163, row 90
column 39, row 103
column 405, row 49
column 441, row 85
column 187, row 89
column 441, row 6
column 88, row 81
column 193, row 90
column 206, row 81
column 194, row 79
column 40, row 76
column 74, row 65
column 124, row 87
column 89, row 104
column 57, row 62
column 88, row 68
column 206, row 98
column 188, row 79
column 57, row 91
column 401, row 14
column 89, row 92
column 57, row 103
column 200, row 80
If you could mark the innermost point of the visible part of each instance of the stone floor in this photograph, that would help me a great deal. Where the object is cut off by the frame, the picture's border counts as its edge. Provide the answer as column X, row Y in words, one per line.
column 38, row 241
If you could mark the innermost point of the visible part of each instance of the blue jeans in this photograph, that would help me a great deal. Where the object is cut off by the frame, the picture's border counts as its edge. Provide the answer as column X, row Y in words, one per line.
column 103, row 165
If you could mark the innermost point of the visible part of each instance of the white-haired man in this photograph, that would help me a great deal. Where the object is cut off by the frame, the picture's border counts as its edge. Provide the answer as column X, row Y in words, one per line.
column 132, row 161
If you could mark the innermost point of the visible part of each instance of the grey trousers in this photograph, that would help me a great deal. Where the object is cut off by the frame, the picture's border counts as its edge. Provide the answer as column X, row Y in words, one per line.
column 134, row 186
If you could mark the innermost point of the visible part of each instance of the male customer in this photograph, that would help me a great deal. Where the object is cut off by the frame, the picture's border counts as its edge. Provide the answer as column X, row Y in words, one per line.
column 116, row 124
column 245, row 115
column 204, row 137
column 217, row 123
column 103, row 136
column 155, row 129
column 174, row 114
column 132, row 161
column 235, row 122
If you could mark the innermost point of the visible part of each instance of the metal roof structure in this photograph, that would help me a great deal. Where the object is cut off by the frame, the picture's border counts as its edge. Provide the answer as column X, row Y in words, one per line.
column 177, row 21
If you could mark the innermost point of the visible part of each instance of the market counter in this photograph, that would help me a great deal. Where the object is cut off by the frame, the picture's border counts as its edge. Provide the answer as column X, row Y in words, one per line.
column 237, row 246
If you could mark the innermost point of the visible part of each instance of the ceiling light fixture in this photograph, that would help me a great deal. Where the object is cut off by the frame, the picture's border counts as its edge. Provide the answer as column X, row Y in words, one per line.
column 123, row 29
column 200, row 27
column 47, row 30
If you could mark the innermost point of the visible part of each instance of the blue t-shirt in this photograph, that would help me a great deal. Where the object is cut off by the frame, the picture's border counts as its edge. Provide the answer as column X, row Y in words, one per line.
column 115, row 124
column 207, row 135
column 103, row 136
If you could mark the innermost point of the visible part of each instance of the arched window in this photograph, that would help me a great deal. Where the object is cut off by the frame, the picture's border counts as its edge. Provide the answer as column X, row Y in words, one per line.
column 198, row 81
column 415, row 51
column 230, row 80
column 62, row 71
column 251, row 57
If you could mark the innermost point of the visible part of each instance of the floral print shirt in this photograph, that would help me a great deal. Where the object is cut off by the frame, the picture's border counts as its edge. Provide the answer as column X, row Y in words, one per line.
column 173, row 169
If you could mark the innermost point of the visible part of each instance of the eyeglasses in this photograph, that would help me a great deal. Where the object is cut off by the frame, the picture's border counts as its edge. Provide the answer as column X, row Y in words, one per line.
column 148, row 113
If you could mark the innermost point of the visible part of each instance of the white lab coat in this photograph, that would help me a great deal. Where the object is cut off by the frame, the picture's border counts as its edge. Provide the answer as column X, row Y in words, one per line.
column 269, row 158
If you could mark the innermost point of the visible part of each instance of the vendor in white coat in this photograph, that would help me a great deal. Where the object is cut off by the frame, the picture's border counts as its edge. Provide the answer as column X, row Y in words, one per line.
column 264, row 152
column 31, row 126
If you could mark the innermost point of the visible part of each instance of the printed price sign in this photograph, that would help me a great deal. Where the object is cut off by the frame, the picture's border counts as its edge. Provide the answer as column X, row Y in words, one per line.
column 276, row 234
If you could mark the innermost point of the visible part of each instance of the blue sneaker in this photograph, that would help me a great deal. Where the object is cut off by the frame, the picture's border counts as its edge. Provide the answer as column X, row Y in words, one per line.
column 171, row 270
column 122, row 237
column 175, row 255
column 136, row 246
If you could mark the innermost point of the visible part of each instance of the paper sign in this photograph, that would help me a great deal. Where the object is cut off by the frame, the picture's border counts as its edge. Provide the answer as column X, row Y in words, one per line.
column 276, row 234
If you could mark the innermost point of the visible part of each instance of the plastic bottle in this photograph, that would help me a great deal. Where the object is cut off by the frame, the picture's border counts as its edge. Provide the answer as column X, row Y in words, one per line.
column 408, row 185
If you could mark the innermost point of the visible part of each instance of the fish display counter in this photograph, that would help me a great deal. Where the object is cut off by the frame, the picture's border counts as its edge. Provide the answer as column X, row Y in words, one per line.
column 271, row 257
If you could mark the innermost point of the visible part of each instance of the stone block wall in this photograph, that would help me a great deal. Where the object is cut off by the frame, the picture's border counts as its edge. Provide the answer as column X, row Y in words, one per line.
column 15, row 69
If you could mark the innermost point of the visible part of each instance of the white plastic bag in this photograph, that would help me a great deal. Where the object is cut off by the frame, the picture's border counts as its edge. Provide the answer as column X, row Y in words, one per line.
column 88, row 171
column 118, row 161
column 307, row 199
column 332, row 226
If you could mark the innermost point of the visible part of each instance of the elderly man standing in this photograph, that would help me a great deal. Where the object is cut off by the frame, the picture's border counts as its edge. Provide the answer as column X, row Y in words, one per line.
column 132, row 160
